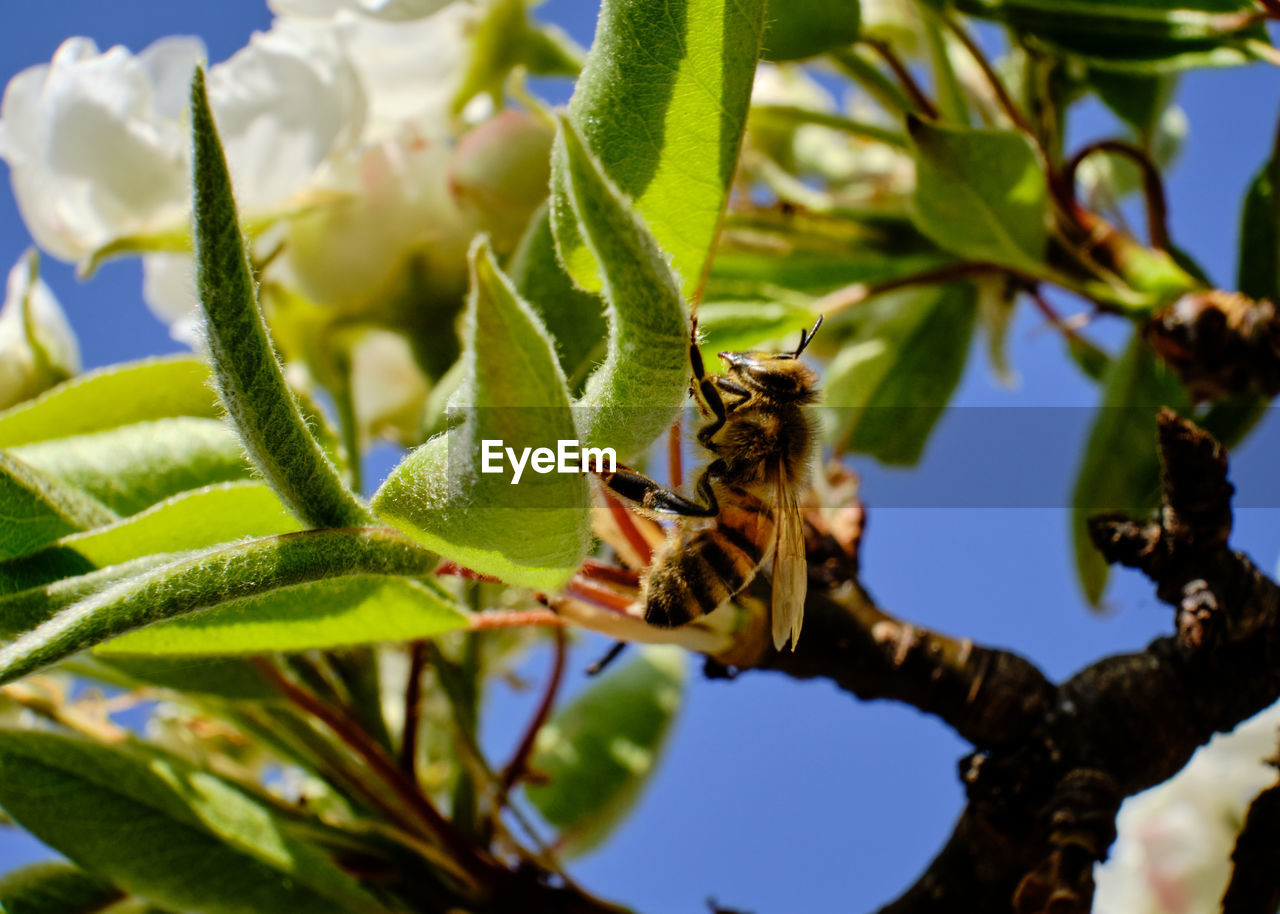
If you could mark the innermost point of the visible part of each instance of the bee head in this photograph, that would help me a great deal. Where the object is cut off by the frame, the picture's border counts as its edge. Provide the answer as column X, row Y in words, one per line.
column 776, row 374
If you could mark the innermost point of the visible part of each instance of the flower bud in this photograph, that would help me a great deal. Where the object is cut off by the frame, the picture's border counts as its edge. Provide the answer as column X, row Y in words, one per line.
column 499, row 174
column 37, row 347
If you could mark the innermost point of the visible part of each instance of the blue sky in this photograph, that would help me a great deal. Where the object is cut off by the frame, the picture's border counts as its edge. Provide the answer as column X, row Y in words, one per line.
column 778, row 796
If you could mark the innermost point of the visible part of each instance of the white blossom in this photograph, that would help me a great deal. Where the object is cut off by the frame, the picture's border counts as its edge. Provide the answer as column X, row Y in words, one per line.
column 1173, row 853
column 95, row 143
column 31, row 315
column 393, row 10
column 98, row 142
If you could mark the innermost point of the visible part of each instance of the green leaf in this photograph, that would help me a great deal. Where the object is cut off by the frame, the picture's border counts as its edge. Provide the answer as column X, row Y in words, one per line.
column 119, row 395
column 23, row 610
column 981, row 194
column 364, row 609
column 796, row 29
column 634, row 396
column 533, row 533
column 133, row 467
column 735, row 326
column 1144, row 35
column 191, row 520
column 1258, row 271
column 1138, row 99
column 160, row 828
column 1120, row 467
column 250, row 379
column 36, row 509
column 597, row 753
column 892, row 379
column 230, row 678
column 575, row 318
column 210, row 578
column 665, row 115
column 768, row 257
column 55, row 888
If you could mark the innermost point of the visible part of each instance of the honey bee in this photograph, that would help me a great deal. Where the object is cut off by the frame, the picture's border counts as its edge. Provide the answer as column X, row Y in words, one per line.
column 760, row 438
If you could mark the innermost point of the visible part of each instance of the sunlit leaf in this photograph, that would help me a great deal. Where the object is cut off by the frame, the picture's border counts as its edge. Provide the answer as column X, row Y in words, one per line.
column 597, row 753
column 573, row 317
column 160, row 828
column 533, row 532
column 133, row 467
column 981, row 194
column 119, row 395
column 664, row 114
column 363, row 609
column 209, row 578
column 36, row 508
column 634, row 395
column 250, row 379
column 889, row 384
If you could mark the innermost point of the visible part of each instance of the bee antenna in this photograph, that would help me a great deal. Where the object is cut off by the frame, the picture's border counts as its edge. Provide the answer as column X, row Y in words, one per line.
column 807, row 337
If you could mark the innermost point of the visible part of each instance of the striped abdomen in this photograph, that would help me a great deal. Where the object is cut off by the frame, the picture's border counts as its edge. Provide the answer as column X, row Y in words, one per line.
column 703, row 567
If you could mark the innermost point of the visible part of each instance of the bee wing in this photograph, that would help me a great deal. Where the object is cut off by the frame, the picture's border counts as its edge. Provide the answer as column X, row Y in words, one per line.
column 790, row 580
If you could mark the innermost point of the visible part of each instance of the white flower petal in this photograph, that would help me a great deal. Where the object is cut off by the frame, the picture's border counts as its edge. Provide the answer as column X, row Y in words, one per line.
column 284, row 104
column 94, row 153
column 169, row 289
column 1173, row 852
column 23, row 374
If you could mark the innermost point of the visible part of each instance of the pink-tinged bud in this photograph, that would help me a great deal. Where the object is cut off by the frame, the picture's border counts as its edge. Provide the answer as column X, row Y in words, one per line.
column 500, row 171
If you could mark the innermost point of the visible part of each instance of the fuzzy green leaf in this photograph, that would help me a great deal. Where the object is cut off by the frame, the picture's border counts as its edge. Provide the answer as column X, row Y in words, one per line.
column 598, row 752
column 209, row 578
column 981, row 194
column 796, row 29
column 533, row 533
column 133, row 467
column 575, row 318
column 160, row 828
column 1120, row 467
column 55, row 888
column 634, row 395
column 23, row 607
column 250, row 380
column 1139, row 35
column 36, row 509
column 662, row 101
column 363, row 609
column 191, row 520
column 119, row 395
column 888, row 385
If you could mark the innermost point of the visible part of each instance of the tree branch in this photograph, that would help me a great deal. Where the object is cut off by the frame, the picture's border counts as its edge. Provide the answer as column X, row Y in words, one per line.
column 1052, row 764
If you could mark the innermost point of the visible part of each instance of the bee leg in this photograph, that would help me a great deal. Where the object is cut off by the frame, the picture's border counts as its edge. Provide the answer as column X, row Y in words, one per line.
column 648, row 494
column 599, row 666
column 708, row 396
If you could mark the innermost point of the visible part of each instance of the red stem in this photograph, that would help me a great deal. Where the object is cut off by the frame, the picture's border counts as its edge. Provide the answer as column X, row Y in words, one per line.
column 518, row 766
